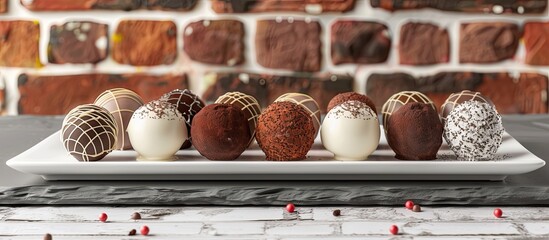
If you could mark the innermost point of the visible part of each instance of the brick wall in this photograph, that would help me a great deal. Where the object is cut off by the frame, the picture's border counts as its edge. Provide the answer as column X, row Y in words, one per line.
column 55, row 54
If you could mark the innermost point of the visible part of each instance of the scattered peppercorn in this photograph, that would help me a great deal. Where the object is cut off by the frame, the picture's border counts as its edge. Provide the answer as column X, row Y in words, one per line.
column 416, row 208
column 48, row 236
column 393, row 229
column 290, row 207
column 103, row 217
column 409, row 204
column 136, row 216
column 498, row 212
column 132, row 232
column 337, row 213
column 144, row 230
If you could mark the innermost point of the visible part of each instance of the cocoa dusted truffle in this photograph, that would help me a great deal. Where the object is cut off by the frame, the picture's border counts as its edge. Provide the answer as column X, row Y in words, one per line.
column 400, row 99
column 188, row 104
column 249, row 106
column 414, row 132
column 220, row 132
column 349, row 96
column 457, row 98
column 89, row 132
column 474, row 131
column 121, row 103
column 285, row 132
column 306, row 102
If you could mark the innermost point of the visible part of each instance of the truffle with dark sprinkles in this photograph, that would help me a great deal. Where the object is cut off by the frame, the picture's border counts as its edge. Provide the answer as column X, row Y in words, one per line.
column 474, row 131
column 349, row 96
column 457, row 98
column 285, row 132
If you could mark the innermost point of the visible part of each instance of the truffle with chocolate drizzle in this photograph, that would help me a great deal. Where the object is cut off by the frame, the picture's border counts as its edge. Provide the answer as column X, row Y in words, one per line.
column 89, row 132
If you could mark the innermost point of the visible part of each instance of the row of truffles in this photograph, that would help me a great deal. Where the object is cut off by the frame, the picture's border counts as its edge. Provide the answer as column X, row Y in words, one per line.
column 285, row 130
column 120, row 120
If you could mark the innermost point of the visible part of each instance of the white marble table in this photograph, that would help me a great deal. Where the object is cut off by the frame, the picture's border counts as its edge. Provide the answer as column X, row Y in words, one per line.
column 274, row 223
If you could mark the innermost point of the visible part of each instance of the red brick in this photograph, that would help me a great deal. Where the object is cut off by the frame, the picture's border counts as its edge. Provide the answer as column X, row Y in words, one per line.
column 526, row 94
column 178, row 5
column 359, row 42
column 309, row 6
column 266, row 88
column 215, row 41
column 2, row 96
column 126, row 5
column 536, row 38
column 478, row 6
column 4, row 6
column 19, row 44
column 487, row 42
column 145, row 43
column 423, row 44
column 69, row 5
column 289, row 44
column 54, row 95
column 78, row 42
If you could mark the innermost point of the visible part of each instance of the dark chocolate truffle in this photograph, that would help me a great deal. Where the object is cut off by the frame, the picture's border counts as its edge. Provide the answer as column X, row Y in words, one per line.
column 415, row 132
column 457, row 98
column 285, row 132
column 220, row 132
column 89, row 132
column 349, row 96
column 188, row 104
column 249, row 106
column 400, row 99
column 121, row 103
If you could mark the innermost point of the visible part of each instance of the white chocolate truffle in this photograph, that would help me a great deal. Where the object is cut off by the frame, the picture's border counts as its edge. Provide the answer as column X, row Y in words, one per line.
column 157, row 130
column 474, row 131
column 350, row 131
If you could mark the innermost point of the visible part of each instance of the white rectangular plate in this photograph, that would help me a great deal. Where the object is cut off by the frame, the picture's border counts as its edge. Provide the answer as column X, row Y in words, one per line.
column 50, row 160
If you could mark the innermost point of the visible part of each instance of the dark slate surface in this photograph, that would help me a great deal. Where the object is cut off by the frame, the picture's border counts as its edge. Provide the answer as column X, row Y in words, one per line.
column 20, row 133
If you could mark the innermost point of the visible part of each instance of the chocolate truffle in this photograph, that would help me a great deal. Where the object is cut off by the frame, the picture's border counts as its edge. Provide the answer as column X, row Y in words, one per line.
column 400, row 99
column 249, row 106
column 305, row 101
column 89, row 132
column 415, row 132
column 220, row 132
column 348, row 96
column 157, row 130
column 121, row 103
column 188, row 104
column 350, row 131
column 285, row 132
column 457, row 98
column 473, row 131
